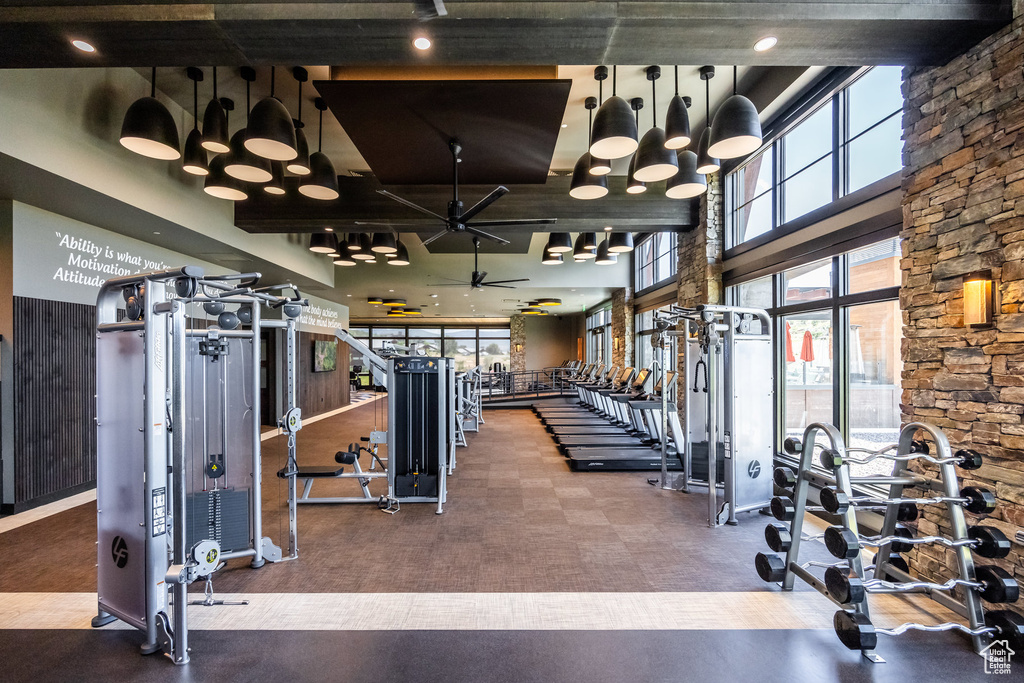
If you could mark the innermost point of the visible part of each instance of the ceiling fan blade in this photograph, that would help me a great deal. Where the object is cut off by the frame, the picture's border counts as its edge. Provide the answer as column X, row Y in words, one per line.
column 434, row 237
column 517, row 221
column 406, row 202
column 501, row 282
column 389, row 225
column 455, row 284
column 496, row 194
column 486, row 235
column 487, row 284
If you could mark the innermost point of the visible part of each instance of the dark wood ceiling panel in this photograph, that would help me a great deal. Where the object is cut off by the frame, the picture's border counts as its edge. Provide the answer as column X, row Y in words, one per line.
column 360, row 202
column 507, row 129
column 171, row 33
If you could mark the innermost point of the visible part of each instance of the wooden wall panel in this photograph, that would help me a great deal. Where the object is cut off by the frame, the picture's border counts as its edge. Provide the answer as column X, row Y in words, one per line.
column 55, row 385
column 320, row 392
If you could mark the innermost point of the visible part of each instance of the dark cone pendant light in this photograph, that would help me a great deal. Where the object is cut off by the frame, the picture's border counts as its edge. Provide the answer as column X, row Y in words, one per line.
column 323, row 243
column 634, row 186
column 195, row 161
column 613, row 134
column 589, row 240
column 220, row 184
column 736, row 130
column 363, row 253
column 344, row 257
column 677, row 120
column 270, row 132
column 401, row 256
column 620, row 242
column 383, row 243
column 195, row 158
column 300, row 164
column 215, row 123
column 552, row 259
column 559, row 242
column 149, row 129
column 654, row 161
column 240, row 162
column 604, row 257
column 581, row 250
column 687, row 183
column 276, row 184
column 586, row 185
column 597, row 166
column 706, row 163
column 322, row 182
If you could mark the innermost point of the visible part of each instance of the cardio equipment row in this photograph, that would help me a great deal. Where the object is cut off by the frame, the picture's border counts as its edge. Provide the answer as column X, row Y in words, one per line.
column 615, row 424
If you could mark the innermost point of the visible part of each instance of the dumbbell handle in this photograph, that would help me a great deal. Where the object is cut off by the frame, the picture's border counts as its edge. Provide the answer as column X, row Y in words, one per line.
column 885, row 540
column 894, row 587
column 948, row 626
column 916, row 501
column 825, row 565
column 874, row 455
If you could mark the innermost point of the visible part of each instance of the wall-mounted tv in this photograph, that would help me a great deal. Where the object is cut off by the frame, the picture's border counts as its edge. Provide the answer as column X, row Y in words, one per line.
column 325, row 355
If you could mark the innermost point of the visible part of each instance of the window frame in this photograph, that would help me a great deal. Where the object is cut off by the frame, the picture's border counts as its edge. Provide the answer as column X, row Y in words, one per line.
column 834, row 89
column 656, row 255
column 410, row 334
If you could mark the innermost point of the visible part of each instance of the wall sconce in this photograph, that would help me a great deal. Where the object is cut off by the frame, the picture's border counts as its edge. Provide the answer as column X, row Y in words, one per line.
column 979, row 301
column 615, row 343
column 518, row 348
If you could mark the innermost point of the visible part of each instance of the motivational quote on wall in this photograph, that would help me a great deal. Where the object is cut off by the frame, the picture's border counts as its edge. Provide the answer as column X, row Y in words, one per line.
column 92, row 264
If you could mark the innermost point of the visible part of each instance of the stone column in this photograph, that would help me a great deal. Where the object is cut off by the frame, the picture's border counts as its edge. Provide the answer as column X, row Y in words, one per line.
column 517, row 335
column 622, row 327
column 963, row 211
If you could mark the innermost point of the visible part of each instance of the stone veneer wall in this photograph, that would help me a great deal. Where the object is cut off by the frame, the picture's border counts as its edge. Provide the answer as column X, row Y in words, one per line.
column 700, row 251
column 622, row 327
column 963, row 209
column 517, row 335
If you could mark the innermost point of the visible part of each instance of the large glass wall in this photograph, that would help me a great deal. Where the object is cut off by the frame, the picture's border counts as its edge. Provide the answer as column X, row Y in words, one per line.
column 643, row 352
column 849, row 141
column 469, row 346
column 838, row 330
column 599, row 334
column 654, row 261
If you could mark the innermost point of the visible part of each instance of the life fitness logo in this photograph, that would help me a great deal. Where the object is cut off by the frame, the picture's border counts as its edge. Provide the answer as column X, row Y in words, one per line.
column 119, row 551
column 754, row 469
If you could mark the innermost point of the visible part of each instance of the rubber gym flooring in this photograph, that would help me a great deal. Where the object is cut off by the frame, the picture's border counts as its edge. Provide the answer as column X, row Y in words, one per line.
column 533, row 573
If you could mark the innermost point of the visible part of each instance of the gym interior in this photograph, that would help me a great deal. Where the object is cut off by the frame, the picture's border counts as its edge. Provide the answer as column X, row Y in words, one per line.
column 467, row 341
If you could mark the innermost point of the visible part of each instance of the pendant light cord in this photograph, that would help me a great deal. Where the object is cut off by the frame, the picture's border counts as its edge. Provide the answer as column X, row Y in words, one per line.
column 654, row 103
column 247, row 84
column 214, row 82
column 320, row 133
column 195, row 105
column 707, row 102
column 300, row 101
column 152, row 84
column 677, row 80
column 734, row 89
column 273, row 79
column 615, row 73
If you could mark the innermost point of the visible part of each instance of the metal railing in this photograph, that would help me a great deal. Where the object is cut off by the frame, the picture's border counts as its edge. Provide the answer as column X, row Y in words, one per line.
column 546, row 383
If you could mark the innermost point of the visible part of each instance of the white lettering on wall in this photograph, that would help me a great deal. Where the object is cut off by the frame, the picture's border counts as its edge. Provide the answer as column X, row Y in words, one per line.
column 90, row 264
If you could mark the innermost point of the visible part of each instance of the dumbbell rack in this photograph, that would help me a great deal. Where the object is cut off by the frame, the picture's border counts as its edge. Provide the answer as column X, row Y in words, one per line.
column 852, row 622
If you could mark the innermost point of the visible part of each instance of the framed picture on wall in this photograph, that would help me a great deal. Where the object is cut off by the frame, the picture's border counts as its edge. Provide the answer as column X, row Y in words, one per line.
column 325, row 355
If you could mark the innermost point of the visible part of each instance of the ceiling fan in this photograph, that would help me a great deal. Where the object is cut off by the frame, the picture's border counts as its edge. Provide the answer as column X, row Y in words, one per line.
column 457, row 219
column 478, row 279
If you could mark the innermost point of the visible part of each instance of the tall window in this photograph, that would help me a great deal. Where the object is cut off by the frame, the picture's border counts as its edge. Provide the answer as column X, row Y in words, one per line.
column 849, row 141
column 654, row 260
column 644, row 353
column 469, row 346
column 599, row 332
column 837, row 330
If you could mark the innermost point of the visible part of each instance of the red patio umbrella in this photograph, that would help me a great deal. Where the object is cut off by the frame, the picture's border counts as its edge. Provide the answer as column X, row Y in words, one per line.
column 790, row 358
column 807, row 349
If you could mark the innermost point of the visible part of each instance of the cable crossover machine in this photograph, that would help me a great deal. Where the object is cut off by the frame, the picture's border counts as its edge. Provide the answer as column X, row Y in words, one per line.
column 726, row 401
column 178, row 486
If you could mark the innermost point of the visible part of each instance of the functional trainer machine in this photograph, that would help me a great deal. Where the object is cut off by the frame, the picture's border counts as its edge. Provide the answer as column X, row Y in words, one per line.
column 420, row 435
column 178, row 442
column 727, row 362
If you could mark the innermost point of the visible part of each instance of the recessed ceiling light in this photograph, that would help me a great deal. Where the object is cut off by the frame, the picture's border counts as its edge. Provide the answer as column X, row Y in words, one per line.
column 421, row 43
column 565, row 125
column 348, row 295
column 433, row 296
column 83, row 46
column 155, row 232
column 608, row 229
column 437, row 304
column 766, row 43
column 465, row 295
column 391, row 290
column 328, row 229
column 572, row 290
